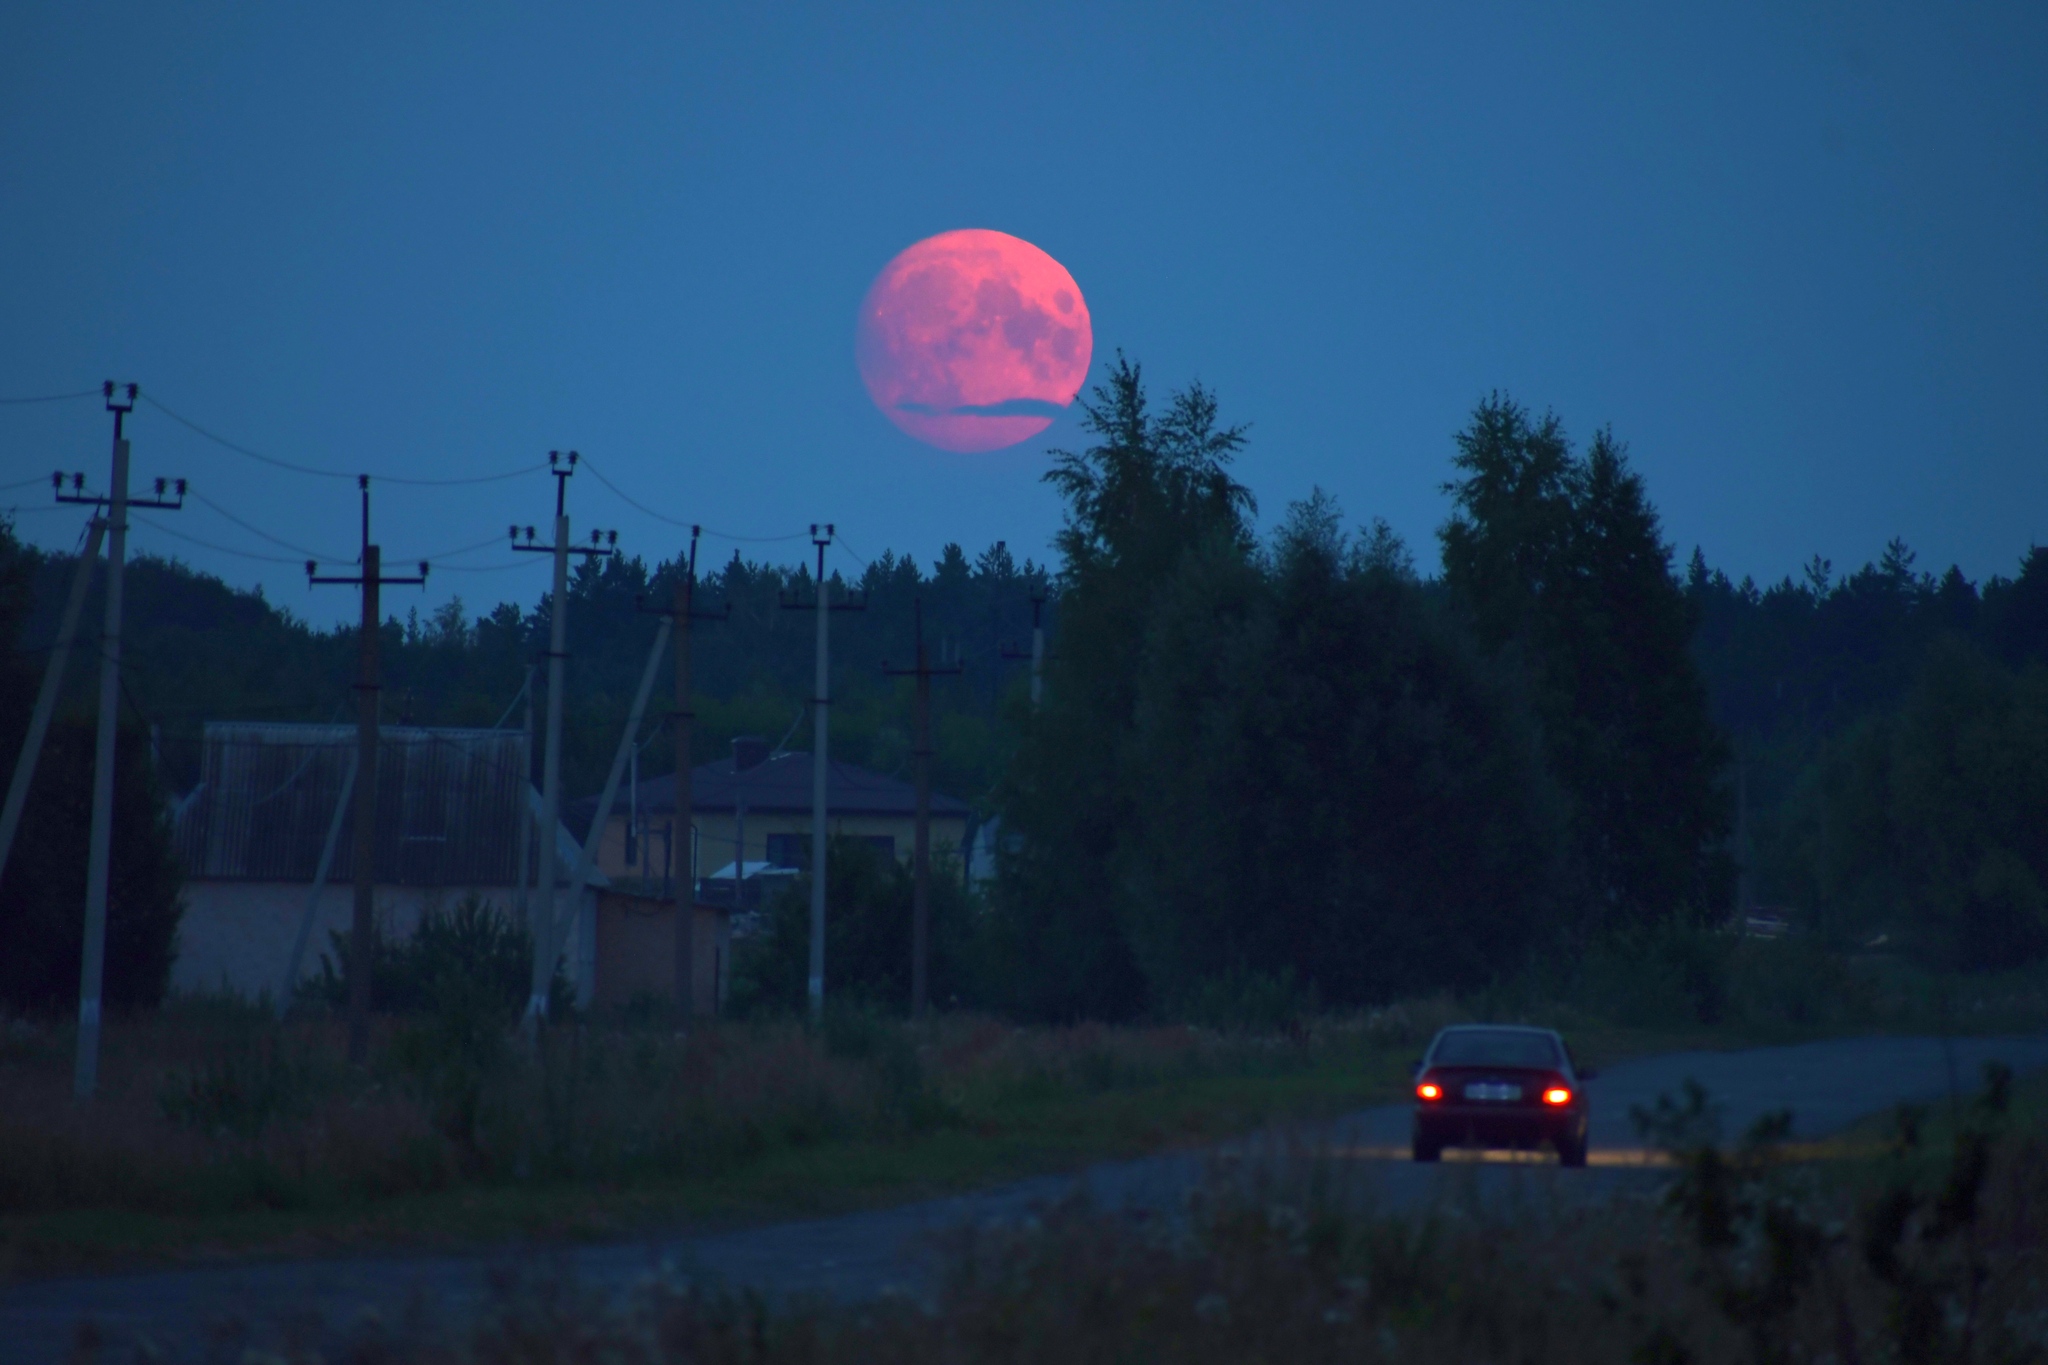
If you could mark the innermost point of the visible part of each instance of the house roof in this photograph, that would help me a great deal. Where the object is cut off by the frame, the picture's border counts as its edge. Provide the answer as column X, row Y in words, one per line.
column 781, row 783
column 449, row 805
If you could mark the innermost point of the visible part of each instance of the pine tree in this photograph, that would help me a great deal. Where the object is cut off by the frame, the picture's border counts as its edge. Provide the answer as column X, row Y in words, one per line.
column 1561, row 561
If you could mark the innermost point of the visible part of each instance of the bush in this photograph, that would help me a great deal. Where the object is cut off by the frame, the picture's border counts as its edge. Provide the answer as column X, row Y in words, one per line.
column 1251, row 1002
column 1796, row 981
column 473, row 950
column 867, row 939
column 1671, row 976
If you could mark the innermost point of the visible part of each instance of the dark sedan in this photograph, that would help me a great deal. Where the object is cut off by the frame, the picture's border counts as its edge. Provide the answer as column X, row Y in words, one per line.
column 1493, row 1085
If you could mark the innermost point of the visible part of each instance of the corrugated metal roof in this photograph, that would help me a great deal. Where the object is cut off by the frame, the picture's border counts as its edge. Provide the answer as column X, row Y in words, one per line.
column 449, row 803
column 781, row 784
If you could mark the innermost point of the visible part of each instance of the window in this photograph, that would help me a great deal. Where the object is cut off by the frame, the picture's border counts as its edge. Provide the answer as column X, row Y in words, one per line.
column 1494, row 1047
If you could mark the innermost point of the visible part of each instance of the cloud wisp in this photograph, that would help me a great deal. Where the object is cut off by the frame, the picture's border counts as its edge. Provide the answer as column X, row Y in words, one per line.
column 1009, row 407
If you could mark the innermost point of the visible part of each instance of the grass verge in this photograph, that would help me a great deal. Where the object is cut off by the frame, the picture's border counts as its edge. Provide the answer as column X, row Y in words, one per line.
column 221, row 1135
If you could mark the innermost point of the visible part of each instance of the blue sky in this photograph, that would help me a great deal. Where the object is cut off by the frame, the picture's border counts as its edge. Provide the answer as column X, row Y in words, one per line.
column 1797, row 256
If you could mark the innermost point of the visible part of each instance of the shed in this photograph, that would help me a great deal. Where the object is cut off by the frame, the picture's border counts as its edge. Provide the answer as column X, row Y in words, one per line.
column 450, row 803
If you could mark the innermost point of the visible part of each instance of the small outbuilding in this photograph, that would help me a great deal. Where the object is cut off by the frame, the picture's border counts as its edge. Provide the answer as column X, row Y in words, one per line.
column 455, row 811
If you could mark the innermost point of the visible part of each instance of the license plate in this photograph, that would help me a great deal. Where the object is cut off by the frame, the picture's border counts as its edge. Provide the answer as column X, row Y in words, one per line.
column 1492, row 1090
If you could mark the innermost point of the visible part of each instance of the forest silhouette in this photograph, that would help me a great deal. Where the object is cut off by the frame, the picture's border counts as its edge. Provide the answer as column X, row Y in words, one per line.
column 1284, row 768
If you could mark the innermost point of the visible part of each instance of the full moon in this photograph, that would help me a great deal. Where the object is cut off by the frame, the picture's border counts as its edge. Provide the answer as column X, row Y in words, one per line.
column 973, row 340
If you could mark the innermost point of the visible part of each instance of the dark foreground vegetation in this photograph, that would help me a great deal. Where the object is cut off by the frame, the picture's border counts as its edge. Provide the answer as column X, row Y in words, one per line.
column 1926, row 1244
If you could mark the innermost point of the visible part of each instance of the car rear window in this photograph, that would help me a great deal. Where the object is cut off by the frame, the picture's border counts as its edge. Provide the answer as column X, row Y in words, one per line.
column 1488, row 1047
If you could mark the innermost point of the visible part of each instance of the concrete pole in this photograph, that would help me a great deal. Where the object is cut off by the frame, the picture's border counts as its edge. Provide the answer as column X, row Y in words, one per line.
column 289, row 986
column 586, row 857
column 525, row 811
column 85, row 1074
column 364, row 851
column 46, row 699
column 921, row 862
column 820, row 760
column 683, row 848
column 551, row 775
column 723, row 957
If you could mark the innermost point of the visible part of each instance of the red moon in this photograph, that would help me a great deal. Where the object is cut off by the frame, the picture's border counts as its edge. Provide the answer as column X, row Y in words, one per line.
column 973, row 340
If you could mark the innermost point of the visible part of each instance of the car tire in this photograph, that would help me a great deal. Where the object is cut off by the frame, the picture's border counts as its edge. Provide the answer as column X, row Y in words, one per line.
column 1571, row 1152
column 1427, row 1151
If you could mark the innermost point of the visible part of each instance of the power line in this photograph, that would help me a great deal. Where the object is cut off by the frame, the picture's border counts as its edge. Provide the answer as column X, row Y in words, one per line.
column 465, row 549
column 259, row 531
column 859, row 558
column 629, row 499
column 487, row 568
column 317, row 472
column 10, row 487
column 222, row 549
column 17, row 511
column 52, row 397
column 632, row 501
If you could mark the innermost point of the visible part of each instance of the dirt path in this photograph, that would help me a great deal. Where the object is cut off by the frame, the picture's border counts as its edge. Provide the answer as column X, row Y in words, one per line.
column 1826, row 1085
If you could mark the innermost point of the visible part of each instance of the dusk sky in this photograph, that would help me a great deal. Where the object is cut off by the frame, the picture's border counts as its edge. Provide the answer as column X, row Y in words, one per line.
column 1797, row 256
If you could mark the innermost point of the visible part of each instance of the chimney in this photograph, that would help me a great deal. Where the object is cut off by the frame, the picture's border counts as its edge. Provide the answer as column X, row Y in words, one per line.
column 748, row 751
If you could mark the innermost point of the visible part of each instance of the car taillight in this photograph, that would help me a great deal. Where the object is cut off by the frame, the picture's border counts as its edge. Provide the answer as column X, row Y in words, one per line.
column 1429, row 1090
column 1557, row 1094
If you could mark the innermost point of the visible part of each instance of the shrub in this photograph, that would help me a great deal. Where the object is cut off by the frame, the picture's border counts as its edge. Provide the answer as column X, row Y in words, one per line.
column 867, row 939
column 472, row 948
column 1673, row 975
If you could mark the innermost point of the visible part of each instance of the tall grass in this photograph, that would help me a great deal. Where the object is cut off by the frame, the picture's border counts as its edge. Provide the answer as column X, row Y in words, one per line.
column 1933, row 1253
column 210, row 1108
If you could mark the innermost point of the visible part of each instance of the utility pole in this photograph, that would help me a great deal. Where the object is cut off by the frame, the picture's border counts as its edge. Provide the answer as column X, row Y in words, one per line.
column 682, row 611
column 525, row 810
column 363, row 850
column 542, row 922
column 586, row 856
column 821, row 704
column 53, row 684
column 921, row 858
column 1037, row 652
column 85, row 1075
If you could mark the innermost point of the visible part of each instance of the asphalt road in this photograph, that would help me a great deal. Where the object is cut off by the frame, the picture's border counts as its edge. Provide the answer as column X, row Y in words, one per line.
column 1827, row 1086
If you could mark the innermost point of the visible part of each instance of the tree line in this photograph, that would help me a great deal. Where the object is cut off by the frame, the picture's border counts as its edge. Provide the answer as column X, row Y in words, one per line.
column 1287, row 764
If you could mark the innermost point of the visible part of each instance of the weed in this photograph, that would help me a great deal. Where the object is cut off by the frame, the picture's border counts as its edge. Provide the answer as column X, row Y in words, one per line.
column 239, row 1090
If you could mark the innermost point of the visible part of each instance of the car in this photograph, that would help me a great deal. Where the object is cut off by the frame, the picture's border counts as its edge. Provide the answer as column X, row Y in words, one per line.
column 1500, row 1086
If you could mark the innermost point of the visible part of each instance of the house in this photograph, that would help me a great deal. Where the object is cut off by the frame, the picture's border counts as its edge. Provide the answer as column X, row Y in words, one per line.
column 754, row 809
column 450, row 806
